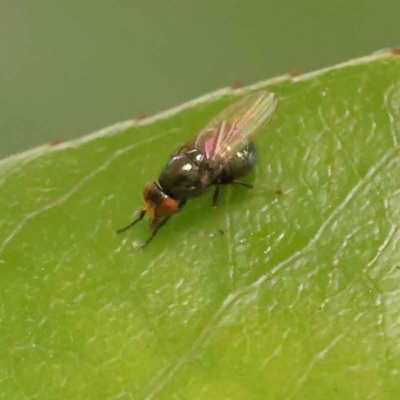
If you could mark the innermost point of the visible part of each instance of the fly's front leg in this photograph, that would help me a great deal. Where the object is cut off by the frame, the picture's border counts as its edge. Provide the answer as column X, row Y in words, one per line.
column 141, row 215
column 162, row 223
column 155, row 231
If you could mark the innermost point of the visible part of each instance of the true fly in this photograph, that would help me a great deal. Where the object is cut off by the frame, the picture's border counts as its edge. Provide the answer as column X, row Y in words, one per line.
column 220, row 154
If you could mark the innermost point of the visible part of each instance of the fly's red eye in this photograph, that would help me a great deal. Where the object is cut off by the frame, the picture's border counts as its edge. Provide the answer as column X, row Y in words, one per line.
column 167, row 207
column 146, row 191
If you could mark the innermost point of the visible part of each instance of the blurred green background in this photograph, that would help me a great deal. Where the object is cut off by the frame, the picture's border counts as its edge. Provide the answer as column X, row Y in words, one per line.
column 68, row 68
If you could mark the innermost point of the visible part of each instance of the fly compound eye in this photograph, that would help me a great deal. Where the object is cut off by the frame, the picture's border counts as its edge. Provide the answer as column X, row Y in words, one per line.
column 167, row 207
column 147, row 190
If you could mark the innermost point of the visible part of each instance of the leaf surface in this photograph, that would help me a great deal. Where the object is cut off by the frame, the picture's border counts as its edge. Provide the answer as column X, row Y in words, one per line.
column 266, row 297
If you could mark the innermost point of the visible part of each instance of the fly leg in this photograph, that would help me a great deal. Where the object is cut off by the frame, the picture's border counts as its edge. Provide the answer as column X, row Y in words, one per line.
column 155, row 230
column 218, row 186
column 181, row 205
column 250, row 186
column 162, row 223
column 139, row 218
column 216, row 195
column 245, row 184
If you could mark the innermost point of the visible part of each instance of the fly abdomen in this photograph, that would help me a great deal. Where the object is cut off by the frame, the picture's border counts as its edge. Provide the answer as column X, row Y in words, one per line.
column 241, row 164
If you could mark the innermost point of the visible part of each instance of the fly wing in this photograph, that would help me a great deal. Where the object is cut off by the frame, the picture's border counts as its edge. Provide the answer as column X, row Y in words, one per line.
column 236, row 126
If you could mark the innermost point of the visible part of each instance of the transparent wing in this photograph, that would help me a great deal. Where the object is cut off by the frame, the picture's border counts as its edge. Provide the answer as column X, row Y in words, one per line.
column 236, row 126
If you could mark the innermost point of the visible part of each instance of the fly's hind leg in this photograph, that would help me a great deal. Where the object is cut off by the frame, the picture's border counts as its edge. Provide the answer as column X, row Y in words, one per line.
column 245, row 184
column 218, row 187
column 250, row 186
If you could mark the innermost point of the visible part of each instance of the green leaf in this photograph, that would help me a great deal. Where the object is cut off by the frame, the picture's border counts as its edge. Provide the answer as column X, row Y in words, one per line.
column 291, row 297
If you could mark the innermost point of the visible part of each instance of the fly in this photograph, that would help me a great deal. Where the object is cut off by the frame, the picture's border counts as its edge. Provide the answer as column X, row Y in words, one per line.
column 220, row 154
